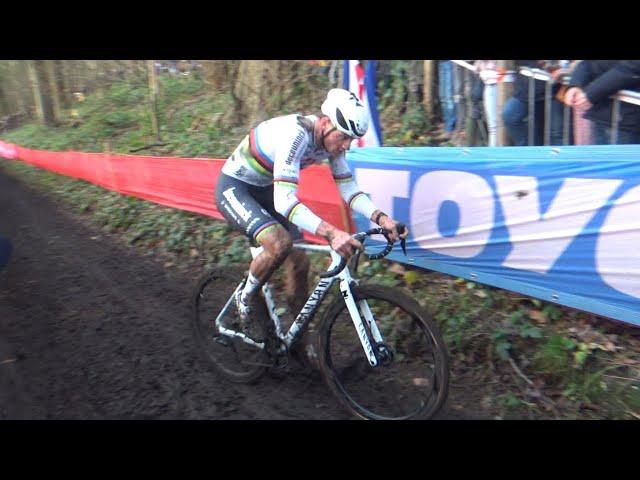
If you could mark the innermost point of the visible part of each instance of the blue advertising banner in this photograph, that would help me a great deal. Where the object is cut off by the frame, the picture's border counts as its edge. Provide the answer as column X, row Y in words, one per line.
column 557, row 223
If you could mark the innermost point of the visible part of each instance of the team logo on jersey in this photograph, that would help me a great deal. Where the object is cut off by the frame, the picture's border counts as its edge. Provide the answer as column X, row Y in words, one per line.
column 294, row 148
column 236, row 205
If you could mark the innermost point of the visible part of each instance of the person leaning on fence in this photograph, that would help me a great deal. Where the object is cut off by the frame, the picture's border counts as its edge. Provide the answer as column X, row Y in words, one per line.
column 593, row 82
column 488, row 72
column 446, row 96
column 558, row 69
column 475, row 122
column 583, row 129
column 460, row 88
column 516, row 109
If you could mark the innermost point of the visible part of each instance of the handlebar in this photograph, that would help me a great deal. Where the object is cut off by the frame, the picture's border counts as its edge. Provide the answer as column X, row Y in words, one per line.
column 361, row 236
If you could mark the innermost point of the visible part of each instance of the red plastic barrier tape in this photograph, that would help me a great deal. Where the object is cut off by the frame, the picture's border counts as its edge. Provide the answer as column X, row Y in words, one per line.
column 183, row 183
column 7, row 150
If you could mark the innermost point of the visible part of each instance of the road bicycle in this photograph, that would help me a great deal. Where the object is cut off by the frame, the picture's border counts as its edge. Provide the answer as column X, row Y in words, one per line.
column 379, row 351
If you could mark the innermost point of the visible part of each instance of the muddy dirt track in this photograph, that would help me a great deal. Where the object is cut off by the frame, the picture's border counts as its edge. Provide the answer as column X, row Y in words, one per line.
column 91, row 330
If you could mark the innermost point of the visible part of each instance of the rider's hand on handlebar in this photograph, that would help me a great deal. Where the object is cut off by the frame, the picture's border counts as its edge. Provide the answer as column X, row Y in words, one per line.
column 390, row 224
column 344, row 244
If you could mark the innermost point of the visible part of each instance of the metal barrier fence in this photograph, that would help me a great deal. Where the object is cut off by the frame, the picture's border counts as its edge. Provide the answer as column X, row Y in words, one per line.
column 534, row 74
column 464, row 70
column 538, row 74
column 467, row 71
column 627, row 96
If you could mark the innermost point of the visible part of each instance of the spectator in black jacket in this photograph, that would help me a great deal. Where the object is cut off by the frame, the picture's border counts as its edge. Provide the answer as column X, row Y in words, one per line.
column 515, row 112
column 593, row 82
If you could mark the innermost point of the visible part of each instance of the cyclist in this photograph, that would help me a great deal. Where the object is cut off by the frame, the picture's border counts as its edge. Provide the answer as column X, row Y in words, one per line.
column 256, row 191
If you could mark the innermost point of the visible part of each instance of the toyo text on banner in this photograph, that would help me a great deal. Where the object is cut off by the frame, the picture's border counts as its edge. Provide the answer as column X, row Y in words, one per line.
column 560, row 224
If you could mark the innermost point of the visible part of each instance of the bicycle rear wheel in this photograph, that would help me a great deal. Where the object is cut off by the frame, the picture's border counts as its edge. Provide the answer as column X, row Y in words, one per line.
column 230, row 356
column 414, row 383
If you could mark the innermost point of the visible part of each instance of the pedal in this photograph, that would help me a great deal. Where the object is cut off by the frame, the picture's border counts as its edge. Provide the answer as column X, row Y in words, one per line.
column 222, row 340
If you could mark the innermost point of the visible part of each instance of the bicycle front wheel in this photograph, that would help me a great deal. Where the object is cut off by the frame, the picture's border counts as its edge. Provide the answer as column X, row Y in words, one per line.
column 411, row 383
column 231, row 356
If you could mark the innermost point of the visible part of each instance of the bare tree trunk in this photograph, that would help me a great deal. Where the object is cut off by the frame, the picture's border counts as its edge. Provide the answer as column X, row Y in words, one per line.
column 80, row 71
column 102, row 76
column 15, row 89
column 53, row 88
column 153, row 97
column 92, row 80
column 216, row 73
column 37, row 95
column 505, row 89
column 64, row 83
column 248, row 90
column 412, row 83
column 5, row 106
column 427, row 90
column 45, row 91
column 132, row 67
column 71, row 70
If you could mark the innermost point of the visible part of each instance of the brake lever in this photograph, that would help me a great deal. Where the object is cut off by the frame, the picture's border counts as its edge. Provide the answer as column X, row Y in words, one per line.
column 356, row 260
column 361, row 239
column 403, row 243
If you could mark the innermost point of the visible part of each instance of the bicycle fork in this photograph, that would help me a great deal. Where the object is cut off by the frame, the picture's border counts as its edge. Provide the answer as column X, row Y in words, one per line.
column 359, row 323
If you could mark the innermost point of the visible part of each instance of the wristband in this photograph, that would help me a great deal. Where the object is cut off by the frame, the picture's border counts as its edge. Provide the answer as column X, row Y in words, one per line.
column 377, row 220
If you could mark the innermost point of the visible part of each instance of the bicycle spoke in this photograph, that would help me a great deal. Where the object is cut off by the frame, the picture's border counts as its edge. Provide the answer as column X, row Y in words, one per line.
column 410, row 380
column 229, row 354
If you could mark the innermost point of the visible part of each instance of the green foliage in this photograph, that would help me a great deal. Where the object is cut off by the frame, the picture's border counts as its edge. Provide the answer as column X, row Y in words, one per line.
column 551, row 311
column 125, row 94
column 237, row 253
column 554, row 355
column 509, row 400
column 402, row 112
column 120, row 119
column 179, row 87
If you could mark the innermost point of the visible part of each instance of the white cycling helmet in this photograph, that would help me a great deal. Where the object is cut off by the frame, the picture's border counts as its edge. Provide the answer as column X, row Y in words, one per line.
column 346, row 112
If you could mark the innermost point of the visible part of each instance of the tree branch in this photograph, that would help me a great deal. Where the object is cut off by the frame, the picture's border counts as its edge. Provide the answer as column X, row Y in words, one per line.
column 148, row 146
column 519, row 372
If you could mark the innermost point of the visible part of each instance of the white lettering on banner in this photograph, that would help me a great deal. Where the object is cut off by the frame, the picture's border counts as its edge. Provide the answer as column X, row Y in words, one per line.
column 618, row 245
column 537, row 240
column 574, row 205
column 383, row 185
column 475, row 199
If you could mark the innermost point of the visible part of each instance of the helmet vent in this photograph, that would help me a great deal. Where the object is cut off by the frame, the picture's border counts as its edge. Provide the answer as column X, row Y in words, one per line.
column 341, row 120
column 354, row 129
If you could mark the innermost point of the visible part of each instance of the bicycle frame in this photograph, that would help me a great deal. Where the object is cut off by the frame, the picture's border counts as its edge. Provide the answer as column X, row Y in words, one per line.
column 311, row 307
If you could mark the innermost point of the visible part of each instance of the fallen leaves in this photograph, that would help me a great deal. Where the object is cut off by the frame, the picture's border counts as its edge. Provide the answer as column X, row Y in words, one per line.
column 411, row 277
column 538, row 316
column 421, row 382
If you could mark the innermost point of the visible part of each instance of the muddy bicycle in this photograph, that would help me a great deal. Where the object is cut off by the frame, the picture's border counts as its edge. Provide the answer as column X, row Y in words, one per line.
column 379, row 351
